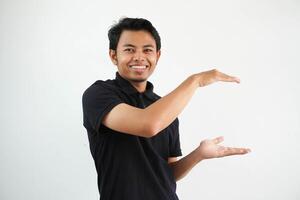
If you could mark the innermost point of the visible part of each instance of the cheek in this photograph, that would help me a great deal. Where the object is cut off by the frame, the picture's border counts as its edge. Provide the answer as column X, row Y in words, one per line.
column 152, row 59
column 123, row 60
column 129, row 58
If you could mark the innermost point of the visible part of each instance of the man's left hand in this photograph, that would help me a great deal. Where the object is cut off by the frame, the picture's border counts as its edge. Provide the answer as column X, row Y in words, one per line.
column 210, row 148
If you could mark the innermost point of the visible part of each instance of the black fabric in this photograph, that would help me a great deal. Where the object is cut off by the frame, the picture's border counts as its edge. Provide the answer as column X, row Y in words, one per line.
column 129, row 167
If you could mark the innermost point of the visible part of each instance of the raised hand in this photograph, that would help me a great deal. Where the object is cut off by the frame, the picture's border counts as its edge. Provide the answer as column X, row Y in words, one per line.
column 211, row 149
column 211, row 76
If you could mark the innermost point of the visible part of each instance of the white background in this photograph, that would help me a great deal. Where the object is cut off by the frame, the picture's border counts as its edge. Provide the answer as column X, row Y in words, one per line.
column 51, row 51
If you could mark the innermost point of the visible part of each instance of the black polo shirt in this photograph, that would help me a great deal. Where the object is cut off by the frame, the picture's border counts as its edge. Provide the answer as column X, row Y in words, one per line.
column 129, row 167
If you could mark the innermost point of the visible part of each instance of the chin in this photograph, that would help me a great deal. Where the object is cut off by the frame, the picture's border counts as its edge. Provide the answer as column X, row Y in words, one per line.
column 138, row 77
column 138, row 80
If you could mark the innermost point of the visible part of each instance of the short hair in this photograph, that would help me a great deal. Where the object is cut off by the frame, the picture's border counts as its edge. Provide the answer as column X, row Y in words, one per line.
column 132, row 24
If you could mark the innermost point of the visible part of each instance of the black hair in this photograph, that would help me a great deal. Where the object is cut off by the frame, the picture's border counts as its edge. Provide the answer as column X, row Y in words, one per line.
column 133, row 24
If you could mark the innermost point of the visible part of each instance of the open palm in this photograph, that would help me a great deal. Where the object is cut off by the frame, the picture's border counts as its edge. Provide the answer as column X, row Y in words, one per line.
column 211, row 149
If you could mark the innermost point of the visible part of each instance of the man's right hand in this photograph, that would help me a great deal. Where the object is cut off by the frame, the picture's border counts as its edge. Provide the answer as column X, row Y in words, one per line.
column 211, row 76
column 157, row 116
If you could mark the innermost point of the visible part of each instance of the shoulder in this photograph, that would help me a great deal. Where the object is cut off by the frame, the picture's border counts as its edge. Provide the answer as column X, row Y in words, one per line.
column 156, row 96
column 100, row 87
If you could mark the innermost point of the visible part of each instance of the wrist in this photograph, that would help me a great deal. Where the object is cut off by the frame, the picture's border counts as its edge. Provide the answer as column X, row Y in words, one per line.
column 198, row 78
column 199, row 155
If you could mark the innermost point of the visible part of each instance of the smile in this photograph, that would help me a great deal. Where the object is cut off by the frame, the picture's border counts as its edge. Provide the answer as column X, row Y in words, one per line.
column 138, row 67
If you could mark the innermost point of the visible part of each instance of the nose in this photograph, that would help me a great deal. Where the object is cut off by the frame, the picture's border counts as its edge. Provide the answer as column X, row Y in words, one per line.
column 138, row 56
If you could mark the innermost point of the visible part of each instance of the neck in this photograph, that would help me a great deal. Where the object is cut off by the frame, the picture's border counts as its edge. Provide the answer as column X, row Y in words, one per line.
column 139, row 86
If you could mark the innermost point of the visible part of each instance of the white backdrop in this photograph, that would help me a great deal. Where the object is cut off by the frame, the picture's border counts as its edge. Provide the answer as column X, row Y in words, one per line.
column 51, row 51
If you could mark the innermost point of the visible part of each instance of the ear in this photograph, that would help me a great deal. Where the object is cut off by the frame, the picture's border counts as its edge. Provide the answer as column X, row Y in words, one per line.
column 158, row 53
column 113, row 56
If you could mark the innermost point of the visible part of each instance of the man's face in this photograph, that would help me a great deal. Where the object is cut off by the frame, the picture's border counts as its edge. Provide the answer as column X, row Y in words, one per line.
column 136, row 55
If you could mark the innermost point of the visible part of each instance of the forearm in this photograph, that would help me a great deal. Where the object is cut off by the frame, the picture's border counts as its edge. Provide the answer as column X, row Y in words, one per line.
column 208, row 149
column 165, row 110
column 185, row 164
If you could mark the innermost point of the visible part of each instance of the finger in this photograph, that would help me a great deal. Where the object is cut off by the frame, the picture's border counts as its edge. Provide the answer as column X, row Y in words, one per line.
column 227, row 78
column 217, row 140
column 229, row 151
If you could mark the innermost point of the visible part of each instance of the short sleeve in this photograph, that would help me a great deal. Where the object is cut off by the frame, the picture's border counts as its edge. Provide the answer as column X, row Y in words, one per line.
column 97, row 101
column 174, row 142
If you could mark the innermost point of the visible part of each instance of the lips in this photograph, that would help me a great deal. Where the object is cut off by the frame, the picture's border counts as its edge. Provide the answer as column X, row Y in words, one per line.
column 138, row 68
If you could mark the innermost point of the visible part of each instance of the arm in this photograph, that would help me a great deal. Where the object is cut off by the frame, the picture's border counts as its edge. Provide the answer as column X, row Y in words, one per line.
column 206, row 150
column 151, row 120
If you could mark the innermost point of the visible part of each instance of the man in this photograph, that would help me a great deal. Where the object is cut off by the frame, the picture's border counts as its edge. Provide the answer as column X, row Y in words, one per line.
column 133, row 133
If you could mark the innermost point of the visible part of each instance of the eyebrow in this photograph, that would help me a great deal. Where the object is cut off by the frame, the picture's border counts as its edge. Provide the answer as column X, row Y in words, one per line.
column 130, row 45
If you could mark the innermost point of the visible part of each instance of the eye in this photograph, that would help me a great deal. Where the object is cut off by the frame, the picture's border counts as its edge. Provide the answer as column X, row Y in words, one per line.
column 148, row 50
column 129, row 50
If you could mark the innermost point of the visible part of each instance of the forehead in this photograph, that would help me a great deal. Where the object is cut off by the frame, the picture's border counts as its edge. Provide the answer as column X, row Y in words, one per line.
column 136, row 38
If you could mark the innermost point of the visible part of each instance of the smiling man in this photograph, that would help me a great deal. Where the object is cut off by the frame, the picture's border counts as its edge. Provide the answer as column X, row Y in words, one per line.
column 133, row 132
column 135, row 56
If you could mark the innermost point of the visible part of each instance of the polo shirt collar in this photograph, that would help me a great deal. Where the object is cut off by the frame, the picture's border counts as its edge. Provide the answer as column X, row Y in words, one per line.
column 130, row 89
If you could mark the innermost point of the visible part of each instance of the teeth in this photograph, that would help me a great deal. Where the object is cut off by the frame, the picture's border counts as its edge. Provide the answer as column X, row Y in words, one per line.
column 138, row 67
